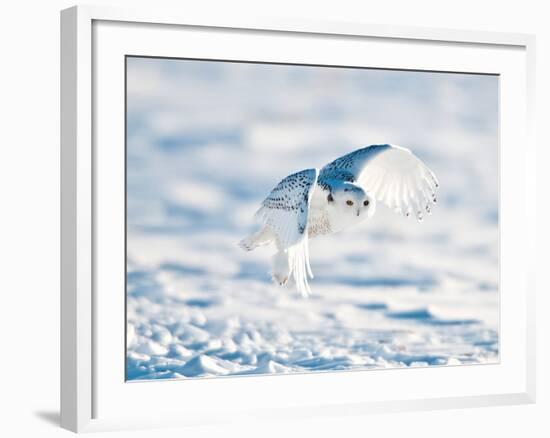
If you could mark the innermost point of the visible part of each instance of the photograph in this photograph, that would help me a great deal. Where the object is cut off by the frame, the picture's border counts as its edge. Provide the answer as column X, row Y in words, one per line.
column 294, row 218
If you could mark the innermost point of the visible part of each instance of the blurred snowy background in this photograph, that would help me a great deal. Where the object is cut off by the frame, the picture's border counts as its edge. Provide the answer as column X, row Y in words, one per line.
column 207, row 141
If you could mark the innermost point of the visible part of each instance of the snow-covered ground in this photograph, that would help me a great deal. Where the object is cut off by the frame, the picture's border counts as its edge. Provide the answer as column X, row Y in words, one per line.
column 208, row 141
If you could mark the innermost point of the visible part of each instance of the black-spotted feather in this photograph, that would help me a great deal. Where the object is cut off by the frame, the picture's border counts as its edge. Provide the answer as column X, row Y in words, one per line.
column 286, row 212
column 392, row 174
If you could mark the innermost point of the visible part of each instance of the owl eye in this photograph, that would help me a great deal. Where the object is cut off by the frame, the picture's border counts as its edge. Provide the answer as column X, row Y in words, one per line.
column 349, row 202
column 330, row 198
column 366, row 203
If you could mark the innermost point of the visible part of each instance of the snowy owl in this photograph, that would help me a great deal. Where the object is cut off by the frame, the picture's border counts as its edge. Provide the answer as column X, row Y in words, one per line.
column 342, row 194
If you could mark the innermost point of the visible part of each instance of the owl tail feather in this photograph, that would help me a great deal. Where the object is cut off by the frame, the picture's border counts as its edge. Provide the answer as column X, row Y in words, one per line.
column 298, row 261
column 292, row 262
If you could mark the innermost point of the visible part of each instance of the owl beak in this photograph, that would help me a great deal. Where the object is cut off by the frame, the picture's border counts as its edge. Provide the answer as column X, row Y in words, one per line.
column 358, row 211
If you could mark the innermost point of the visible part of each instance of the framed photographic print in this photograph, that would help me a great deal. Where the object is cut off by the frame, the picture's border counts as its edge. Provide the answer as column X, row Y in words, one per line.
column 256, row 209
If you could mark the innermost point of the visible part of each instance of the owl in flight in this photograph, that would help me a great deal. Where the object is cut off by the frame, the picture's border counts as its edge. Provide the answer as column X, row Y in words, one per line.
column 342, row 194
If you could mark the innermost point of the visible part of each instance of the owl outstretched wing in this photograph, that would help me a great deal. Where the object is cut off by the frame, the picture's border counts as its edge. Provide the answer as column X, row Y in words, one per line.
column 286, row 211
column 392, row 174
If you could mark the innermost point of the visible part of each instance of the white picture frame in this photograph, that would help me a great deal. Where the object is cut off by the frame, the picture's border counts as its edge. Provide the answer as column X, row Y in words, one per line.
column 92, row 392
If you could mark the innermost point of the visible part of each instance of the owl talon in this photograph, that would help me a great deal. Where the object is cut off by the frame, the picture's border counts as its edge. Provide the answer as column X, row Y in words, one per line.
column 279, row 278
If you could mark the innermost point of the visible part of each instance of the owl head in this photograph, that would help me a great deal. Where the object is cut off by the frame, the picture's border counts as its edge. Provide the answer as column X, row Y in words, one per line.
column 348, row 204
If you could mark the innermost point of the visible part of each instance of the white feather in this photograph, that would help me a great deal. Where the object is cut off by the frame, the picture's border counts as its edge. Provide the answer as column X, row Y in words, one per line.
column 393, row 174
column 286, row 212
column 389, row 173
